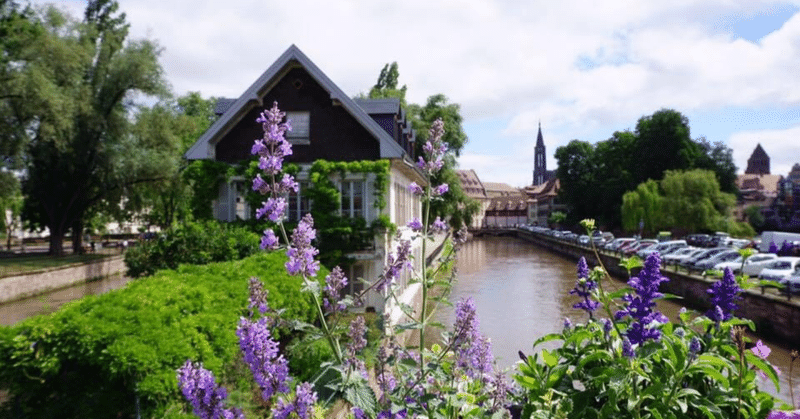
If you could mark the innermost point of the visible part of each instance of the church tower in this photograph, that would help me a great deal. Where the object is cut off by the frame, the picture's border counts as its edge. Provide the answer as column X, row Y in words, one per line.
column 758, row 163
column 540, row 160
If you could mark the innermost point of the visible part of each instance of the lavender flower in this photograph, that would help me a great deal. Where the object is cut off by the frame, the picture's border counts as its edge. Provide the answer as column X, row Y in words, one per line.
column 473, row 350
column 258, row 296
column 607, row 325
column 583, row 289
column 627, row 348
column 415, row 224
column 567, row 323
column 302, row 405
column 260, row 352
column 640, row 307
column 724, row 293
column 415, row 189
column 440, row 190
column 334, row 283
column 301, row 254
column 760, row 350
column 273, row 208
column 438, row 226
column 395, row 264
column 200, row 389
column 269, row 240
column 357, row 342
column 434, row 150
column 386, row 380
column 694, row 347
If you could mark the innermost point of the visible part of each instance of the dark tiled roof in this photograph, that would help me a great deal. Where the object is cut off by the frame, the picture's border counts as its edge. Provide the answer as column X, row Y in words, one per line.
column 379, row 106
column 222, row 105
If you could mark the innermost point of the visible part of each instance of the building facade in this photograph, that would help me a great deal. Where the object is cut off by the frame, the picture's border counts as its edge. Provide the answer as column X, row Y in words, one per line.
column 326, row 125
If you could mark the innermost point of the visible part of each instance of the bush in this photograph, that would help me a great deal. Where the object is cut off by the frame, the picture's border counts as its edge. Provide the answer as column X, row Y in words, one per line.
column 192, row 243
column 95, row 356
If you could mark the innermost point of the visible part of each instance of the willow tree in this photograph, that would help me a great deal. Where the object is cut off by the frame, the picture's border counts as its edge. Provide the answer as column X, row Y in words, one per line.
column 642, row 208
column 70, row 95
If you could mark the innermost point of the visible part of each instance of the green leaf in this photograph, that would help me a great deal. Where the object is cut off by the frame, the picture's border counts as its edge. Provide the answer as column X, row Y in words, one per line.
column 764, row 367
column 547, row 338
column 362, row 396
column 549, row 359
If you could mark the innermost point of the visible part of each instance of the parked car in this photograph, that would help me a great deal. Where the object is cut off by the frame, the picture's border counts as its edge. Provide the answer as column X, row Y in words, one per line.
column 615, row 244
column 710, row 262
column 661, row 247
column 690, row 262
column 779, row 269
column 736, row 264
column 680, row 254
column 756, row 263
column 698, row 240
column 792, row 283
column 639, row 245
column 583, row 240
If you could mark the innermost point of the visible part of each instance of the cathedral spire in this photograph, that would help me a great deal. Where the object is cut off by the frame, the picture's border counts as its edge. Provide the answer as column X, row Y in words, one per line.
column 540, row 159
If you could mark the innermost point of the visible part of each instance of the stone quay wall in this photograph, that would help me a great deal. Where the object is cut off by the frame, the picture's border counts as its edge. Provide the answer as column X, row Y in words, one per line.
column 775, row 316
column 17, row 287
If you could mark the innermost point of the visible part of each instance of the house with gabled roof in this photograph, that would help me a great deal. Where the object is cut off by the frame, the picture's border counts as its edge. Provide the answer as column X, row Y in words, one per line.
column 326, row 125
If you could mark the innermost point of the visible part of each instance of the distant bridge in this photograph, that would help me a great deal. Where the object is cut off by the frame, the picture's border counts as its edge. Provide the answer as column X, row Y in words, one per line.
column 494, row 231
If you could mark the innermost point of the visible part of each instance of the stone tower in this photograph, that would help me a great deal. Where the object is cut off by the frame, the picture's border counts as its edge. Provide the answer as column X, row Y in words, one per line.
column 758, row 163
column 539, row 160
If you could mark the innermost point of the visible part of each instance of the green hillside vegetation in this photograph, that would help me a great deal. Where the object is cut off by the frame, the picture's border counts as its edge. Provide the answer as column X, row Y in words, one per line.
column 95, row 357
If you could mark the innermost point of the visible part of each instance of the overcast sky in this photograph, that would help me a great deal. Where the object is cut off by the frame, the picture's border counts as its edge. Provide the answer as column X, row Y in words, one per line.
column 583, row 68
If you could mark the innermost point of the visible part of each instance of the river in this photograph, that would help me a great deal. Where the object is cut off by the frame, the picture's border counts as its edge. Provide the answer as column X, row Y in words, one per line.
column 521, row 293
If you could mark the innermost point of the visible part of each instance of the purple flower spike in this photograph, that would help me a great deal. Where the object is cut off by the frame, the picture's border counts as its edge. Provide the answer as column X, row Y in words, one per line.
column 640, row 307
column 395, row 264
column 415, row 224
column 269, row 241
column 301, row 253
column 760, row 350
column 260, row 352
column 334, row 283
column 627, row 348
column 583, row 289
column 200, row 389
column 439, row 226
column 415, row 189
column 303, row 404
column 441, row 189
column 724, row 294
column 473, row 350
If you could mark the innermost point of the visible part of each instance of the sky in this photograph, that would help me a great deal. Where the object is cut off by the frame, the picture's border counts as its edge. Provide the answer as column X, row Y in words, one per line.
column 583, row 69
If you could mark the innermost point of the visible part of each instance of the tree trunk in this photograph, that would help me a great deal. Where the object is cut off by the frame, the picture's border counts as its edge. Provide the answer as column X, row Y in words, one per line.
column 77, row 237
column 56, row 242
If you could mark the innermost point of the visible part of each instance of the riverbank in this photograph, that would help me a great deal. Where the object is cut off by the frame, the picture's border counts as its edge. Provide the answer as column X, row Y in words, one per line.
column 775, row 317
column 29, row 284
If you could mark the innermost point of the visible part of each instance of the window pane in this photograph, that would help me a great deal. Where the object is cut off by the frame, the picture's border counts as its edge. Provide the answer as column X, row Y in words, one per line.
column 300, row 122
column 358, row 201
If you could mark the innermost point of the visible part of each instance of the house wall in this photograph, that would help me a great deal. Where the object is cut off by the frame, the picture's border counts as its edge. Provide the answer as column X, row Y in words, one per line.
column 334, row 134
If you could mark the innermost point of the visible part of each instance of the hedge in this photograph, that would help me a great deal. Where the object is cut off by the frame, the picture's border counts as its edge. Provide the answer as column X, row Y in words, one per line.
column 195, row 243
column 94, row 357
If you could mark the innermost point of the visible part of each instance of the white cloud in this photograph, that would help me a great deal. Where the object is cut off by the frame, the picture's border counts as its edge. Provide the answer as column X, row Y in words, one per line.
column 516, row 61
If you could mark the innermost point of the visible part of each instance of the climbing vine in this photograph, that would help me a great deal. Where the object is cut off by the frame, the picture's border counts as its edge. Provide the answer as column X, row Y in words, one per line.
column 339, row 235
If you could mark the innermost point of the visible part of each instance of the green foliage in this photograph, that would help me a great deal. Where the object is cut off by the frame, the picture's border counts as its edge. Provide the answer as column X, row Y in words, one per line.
column 594, row 178
column 204, row 178
column 193, row 243
column 754, row 217
column 69, row 91
column 557, row 217
column 92, row 357
column 339, row 235
column 693, row 200
column 587, row 376
column 645, row 204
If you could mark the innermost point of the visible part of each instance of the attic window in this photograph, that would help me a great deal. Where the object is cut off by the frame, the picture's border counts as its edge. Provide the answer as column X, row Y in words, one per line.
column 297, row 83
column 301, row 124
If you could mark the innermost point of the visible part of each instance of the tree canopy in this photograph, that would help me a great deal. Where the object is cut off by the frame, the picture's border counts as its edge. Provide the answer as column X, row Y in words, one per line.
column 69, row 97
column 455, row 205
column 595, row 177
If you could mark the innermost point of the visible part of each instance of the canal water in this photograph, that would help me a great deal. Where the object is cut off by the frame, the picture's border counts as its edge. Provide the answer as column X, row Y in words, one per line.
column 521, row 293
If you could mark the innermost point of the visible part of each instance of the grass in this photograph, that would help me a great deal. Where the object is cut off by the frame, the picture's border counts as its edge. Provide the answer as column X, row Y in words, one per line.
column 17, row 265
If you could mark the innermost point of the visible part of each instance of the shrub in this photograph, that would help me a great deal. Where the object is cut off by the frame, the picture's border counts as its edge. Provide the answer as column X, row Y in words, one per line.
column 96, row 356
column 192, row 243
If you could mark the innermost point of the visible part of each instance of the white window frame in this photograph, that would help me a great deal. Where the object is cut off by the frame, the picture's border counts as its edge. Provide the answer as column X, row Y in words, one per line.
column 298, row 198
column 301, row 127
column 351, row 211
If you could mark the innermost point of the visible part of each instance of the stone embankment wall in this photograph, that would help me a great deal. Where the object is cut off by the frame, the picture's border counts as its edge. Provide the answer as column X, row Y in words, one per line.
column 14, row 288
column 775, row 317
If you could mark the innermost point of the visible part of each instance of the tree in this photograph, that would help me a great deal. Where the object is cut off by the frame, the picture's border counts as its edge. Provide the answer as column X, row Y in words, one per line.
column 642, row 208
column 663, row 143
column 755, row 217
column 175, row 124
column 576, row 174
column 455, row 205
column 71, row 96
column 718, row 158
column 693, row 201
column 10, row 204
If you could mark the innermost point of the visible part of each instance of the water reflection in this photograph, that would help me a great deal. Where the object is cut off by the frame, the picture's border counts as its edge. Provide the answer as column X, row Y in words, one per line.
column 521, row 293
column 16, row 311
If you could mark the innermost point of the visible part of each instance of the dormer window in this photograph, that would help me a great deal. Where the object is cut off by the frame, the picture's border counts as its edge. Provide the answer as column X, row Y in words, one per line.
column 301, row 128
